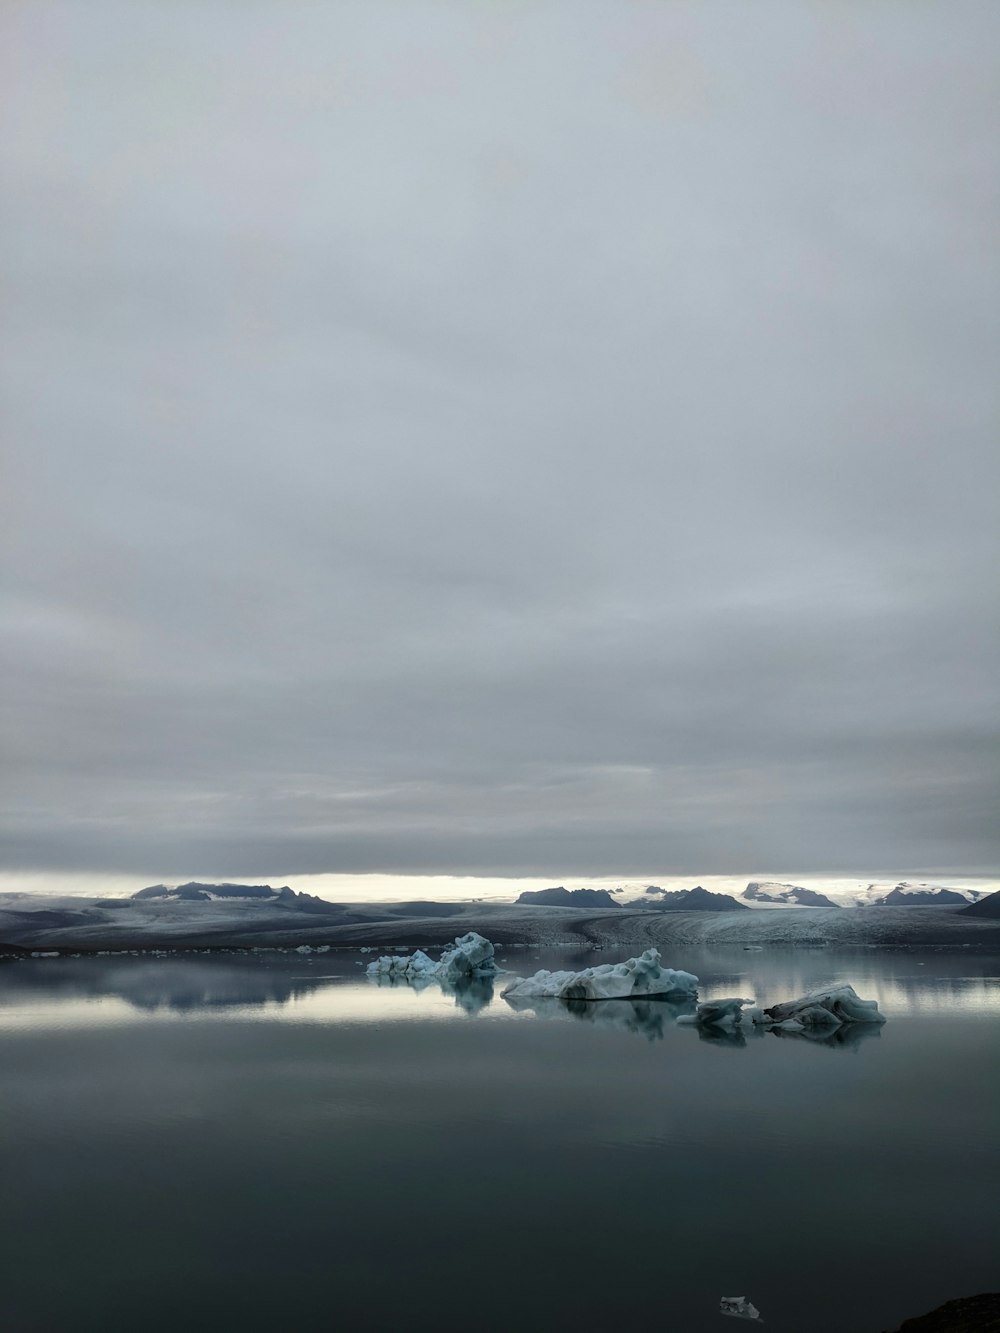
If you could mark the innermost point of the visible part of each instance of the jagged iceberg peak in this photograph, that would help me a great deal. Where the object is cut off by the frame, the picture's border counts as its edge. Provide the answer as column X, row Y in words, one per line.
column 636, row 977
column 472, row 955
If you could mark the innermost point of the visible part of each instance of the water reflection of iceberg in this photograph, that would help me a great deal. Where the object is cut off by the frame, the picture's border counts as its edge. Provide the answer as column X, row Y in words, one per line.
column 472, row 994
column 648, row 1018
column 848, row 1036
column 719, row 1036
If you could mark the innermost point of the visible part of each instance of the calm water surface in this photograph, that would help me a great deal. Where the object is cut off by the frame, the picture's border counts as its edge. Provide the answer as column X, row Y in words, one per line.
column 259, row 1142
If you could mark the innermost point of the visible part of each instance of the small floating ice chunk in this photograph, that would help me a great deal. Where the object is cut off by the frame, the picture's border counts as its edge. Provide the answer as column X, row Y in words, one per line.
column 411, row 967
column 642, row 976
column 825, row 1008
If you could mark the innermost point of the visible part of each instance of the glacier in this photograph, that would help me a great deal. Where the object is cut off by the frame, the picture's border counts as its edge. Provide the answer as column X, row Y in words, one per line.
column 641, row 977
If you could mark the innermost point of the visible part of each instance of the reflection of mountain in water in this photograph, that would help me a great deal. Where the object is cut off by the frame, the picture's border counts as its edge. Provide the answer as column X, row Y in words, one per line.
column 181, row 985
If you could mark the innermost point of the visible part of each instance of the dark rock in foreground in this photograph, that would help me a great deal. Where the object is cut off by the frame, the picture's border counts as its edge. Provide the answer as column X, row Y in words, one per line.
column 969, row 1314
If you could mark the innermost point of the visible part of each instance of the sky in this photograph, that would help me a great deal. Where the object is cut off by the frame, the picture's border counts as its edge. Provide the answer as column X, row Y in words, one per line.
column 499, row 439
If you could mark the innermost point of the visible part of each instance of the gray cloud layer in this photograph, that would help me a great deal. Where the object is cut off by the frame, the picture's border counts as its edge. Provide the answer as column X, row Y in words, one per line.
column 554, row 438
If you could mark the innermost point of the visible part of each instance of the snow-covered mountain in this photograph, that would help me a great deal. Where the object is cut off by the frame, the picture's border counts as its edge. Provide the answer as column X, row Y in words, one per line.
column 885, row 893
column 917, row 895
column 844, row 893
column 785, row 895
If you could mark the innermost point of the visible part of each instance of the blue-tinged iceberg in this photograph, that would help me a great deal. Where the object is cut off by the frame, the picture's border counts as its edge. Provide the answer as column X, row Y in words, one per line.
column 831, row 1007
column 471, row 956
column 825, row 1008
column 641, row 977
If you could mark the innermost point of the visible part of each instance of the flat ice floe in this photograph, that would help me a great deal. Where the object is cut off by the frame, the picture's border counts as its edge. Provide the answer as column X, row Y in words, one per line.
column 641, row 977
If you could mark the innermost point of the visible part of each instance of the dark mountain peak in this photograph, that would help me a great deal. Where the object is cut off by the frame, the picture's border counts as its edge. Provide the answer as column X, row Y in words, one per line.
column 229, row 890
column 988, row 907
column 697, row 899
column 563, row 897
column 903, row 896
column 195, row 892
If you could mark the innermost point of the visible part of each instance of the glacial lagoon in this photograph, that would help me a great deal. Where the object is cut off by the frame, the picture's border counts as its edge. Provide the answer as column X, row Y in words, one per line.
column 252, row 1142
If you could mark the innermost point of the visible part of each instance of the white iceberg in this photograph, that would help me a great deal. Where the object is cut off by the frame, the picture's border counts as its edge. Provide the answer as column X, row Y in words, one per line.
column 635, row 978
column 471, row 956
column 829, row 1007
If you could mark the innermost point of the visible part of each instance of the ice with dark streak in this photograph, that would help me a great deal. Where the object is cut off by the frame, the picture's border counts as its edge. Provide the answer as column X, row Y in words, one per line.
column 831, row 1007
column 634, row 978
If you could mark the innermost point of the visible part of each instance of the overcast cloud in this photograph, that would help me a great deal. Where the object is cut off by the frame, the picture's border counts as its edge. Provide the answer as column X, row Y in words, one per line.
column 500, row 438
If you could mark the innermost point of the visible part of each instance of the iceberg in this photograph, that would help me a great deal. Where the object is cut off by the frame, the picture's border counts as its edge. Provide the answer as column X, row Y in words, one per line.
column 739, row 1307
column 828, row 1007
column 832, row 1007
column 471, row 956
column 641, row 977
column 727, row 1013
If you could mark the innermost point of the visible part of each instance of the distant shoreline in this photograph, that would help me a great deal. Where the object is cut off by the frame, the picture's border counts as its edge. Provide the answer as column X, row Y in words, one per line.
column 86, row 926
